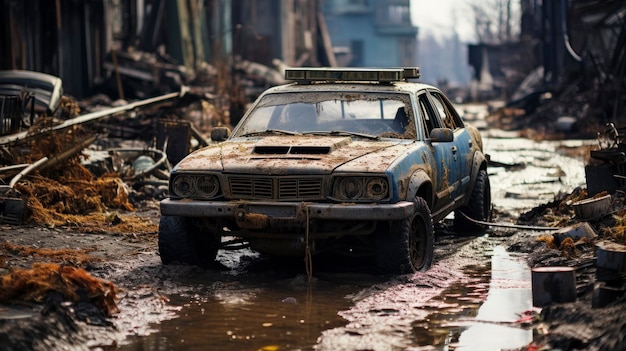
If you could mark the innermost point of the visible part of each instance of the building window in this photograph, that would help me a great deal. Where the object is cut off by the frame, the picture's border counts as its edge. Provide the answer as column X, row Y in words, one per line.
column 406, row 51
column 393, row 14
column 398, row 14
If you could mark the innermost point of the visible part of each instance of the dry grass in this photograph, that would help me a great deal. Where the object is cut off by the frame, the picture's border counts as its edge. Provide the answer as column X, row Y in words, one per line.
column 67, row 193
column 548, row 239
column 617, row 232
column 568, row 247
column 76, row 257
column 75, row 284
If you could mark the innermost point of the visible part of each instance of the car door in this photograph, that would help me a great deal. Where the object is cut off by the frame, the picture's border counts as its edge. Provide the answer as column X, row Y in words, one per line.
column 444, row 180
column 460, row 163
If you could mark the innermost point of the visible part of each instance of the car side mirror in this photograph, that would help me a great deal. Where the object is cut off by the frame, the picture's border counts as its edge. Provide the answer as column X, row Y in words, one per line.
column 442, row 135
column 220, row 133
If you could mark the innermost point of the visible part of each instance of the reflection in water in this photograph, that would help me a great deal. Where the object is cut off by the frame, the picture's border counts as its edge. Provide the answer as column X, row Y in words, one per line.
column 509, row 295
column 536, row 171
column 269, row 311
column 460, row 322
column 263, row 313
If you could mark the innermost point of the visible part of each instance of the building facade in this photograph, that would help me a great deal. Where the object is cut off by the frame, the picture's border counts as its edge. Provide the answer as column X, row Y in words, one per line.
column 371, row 33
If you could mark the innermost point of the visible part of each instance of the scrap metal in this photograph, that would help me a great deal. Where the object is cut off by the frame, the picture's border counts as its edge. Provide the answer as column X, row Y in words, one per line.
column 89, row 117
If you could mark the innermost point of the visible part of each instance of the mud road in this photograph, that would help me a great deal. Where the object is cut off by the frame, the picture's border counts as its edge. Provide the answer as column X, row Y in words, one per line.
column 477, row 295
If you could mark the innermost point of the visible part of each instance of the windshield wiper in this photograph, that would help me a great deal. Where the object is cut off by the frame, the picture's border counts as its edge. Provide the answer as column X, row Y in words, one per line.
column 344, row 133
column 270, row 132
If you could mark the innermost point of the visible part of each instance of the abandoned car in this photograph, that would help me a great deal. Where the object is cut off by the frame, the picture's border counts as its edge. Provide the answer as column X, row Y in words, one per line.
column 341, row 161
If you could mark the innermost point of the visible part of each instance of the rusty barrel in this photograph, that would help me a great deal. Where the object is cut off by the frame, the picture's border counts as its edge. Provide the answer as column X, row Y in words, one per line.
column 553, row 285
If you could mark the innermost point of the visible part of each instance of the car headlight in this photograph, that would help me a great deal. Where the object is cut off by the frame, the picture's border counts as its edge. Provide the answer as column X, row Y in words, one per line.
column 361, row 188
column 195, row 186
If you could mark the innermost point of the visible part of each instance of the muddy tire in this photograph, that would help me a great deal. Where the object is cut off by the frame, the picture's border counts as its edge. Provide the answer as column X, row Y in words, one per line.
column 409, row 246
column 478, row 208
column 180, row 242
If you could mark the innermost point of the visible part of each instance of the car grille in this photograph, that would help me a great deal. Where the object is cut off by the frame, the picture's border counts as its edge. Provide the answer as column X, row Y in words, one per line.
column 276, row 188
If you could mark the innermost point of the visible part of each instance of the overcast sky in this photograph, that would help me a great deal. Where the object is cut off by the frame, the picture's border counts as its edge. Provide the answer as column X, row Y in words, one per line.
column 441, row 17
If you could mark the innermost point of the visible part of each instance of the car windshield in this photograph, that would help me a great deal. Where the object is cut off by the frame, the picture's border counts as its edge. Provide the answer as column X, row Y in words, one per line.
column 368, row 115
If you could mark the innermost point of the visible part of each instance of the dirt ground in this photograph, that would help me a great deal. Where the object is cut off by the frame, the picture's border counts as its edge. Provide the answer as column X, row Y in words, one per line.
column 49, row 317
column 136, row 286
column 89, row 281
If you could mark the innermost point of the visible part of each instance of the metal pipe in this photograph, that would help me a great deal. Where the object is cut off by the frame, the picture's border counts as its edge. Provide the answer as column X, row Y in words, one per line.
column 27, row 170
column 13, row 167
column 568, row 45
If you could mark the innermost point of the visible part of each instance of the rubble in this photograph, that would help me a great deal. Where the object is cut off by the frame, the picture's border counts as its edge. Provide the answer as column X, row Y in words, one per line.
column 74, row 284
column 69, row 168
column 576, row 247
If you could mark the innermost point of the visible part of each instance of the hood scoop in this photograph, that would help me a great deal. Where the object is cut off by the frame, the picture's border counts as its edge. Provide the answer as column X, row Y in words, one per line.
column 300, row 146
column 293, row 150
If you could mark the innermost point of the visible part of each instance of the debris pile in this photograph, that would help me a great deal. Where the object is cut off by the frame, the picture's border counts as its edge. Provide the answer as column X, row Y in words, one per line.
column 577, row 83
column 596, row 249
column 62, row 187
column 73, row 169
column 74, row 284
column 617, row 232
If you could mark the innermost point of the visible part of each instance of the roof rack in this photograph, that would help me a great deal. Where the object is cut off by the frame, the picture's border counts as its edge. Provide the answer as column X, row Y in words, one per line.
column 381, row 75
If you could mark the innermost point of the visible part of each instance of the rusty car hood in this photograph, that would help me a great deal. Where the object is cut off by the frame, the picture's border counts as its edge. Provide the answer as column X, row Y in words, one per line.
column 293, row 155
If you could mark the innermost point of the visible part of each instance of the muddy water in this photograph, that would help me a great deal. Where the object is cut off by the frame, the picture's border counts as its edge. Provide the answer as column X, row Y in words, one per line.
column 480, row 314
column 530, row 172
column 496, row 323
column 457, row 304
column 471, row 299
column 253, row 311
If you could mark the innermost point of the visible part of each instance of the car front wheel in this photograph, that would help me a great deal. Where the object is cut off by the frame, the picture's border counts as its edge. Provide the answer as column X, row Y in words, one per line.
column 409, row 246
column 181, row 242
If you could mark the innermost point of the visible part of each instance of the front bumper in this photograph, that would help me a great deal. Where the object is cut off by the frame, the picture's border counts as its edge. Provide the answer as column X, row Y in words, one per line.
column 239, row 210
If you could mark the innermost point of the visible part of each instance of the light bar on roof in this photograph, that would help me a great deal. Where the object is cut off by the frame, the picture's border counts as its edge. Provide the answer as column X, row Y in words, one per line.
column 384, row 75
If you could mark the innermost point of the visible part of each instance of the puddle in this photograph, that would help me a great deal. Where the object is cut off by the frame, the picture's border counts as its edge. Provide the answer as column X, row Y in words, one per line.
column 533, row 172
column 468, row 301
column 260, row 313
column 462, row 321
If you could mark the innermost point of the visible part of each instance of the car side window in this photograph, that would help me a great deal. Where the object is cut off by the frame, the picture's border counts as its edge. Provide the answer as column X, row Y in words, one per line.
column 429, row 118
column 446, row 112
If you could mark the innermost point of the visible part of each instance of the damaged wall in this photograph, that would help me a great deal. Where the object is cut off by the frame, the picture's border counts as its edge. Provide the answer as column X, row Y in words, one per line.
column 579, row 51
column 63, row 38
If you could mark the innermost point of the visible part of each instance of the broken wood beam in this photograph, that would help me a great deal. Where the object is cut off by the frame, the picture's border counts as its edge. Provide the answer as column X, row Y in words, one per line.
column 89, row 117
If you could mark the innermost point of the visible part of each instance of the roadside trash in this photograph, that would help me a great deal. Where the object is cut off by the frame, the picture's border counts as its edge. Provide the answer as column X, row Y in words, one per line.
column 553, row 285
column 575, row 232
column 604, row 294
column 610, row 262
column 592, row 208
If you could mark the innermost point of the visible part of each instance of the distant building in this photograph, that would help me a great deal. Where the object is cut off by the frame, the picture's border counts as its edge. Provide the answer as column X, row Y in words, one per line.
column 371, row 33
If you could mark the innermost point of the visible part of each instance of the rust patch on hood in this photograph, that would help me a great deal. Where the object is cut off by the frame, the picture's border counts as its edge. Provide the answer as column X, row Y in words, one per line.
column 208, row 158
column 294, row 155
column 340, row 151
column 380, row 160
